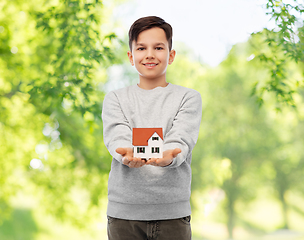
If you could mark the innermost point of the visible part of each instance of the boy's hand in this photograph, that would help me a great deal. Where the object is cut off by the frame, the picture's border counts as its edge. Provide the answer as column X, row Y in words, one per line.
column 167, row 159
column 128, row 159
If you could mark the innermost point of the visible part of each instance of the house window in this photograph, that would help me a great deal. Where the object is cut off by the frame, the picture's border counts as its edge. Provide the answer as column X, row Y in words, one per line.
column 155, row 150
column 154, row 138
column 140, row 150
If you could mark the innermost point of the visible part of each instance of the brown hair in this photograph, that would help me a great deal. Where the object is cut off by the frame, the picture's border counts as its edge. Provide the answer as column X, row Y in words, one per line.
column 146, row 23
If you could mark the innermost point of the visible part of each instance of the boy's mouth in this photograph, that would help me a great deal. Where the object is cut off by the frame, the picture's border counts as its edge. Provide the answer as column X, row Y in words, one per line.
column 149, row 64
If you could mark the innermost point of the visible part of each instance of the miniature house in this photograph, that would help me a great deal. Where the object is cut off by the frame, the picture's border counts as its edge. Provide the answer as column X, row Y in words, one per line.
column 148, row 142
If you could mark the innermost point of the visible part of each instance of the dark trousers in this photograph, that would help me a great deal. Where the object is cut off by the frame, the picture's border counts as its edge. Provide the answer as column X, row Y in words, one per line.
column 175, row 229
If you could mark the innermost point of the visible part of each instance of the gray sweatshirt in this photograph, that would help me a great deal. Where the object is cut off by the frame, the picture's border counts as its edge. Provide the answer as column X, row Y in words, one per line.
column 151, row 193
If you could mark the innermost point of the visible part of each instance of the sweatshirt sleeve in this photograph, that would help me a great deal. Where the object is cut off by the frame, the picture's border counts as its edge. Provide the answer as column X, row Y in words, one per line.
column 116, row 129
column 185, row 128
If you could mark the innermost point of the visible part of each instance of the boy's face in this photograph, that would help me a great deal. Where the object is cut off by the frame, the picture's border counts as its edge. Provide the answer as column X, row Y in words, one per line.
column 151, row 55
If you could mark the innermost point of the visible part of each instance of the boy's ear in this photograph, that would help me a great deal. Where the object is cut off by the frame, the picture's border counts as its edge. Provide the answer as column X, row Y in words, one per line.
column 130, row 56
column 172, row 56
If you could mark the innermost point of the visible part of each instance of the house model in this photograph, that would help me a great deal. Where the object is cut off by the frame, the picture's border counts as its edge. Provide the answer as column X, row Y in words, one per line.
column 148, row 142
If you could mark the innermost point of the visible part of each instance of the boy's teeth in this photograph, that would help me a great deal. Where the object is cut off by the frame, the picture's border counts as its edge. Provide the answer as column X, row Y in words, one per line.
column 150, row 65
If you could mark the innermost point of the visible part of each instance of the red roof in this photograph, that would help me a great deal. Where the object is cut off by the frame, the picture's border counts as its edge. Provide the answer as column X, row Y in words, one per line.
column 142, row 135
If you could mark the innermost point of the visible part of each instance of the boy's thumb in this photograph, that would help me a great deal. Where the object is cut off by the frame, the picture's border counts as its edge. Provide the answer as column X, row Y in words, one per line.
column 121, row 151
column 176, row 151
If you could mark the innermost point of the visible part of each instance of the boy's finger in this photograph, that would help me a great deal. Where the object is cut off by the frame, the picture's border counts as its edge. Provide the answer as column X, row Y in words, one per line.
column 138, row 164
column 150, row 161
column 142, row 161
column 134, row 163
column 125, row 160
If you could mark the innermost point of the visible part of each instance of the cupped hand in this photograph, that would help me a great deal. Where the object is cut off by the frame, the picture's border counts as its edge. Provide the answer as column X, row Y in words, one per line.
column 128, row 159
column 167, row 158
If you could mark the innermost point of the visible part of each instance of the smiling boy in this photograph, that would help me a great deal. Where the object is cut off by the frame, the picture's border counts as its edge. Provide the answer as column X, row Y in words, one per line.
column 151, row 55
column 151, row 199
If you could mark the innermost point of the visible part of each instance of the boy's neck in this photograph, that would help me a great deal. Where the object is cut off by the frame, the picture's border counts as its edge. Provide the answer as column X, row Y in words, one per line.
column 151, row 84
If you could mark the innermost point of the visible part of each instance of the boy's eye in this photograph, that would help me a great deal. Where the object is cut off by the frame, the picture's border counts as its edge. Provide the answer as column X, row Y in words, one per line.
column 159, row 48
column 141, row 48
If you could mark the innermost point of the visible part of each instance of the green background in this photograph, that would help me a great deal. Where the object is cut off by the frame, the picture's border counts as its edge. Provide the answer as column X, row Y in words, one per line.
column 58, row 60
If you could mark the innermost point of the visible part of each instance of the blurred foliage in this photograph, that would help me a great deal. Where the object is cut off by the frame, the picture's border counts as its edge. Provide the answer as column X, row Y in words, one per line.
column 53, row 56
column 17, row 228
column 280, row 46
column 57, row 60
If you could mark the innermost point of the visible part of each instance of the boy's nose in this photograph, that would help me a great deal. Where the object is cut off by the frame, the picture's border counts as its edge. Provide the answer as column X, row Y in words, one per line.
column 150, row 54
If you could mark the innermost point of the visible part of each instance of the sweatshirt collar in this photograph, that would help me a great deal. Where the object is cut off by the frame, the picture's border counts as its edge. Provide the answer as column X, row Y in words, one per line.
column 154, row 89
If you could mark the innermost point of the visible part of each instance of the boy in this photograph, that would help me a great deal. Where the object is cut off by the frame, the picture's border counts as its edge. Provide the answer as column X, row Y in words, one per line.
column 150, row 199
